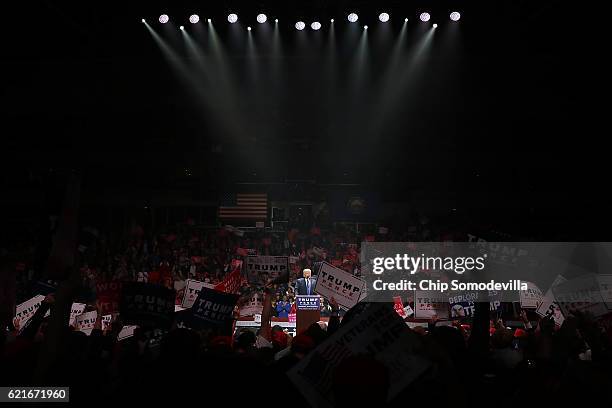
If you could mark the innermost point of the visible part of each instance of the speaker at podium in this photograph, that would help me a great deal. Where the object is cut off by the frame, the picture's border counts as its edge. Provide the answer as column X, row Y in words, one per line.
column 308, row 311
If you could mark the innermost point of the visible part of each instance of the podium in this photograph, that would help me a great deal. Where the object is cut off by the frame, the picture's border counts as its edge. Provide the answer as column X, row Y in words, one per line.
column 307, row 311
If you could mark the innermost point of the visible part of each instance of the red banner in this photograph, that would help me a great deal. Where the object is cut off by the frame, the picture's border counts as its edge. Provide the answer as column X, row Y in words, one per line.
column 233, row 280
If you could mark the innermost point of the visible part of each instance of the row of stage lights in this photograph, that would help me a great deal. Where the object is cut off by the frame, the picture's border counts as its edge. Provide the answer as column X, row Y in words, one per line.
column 315, row 25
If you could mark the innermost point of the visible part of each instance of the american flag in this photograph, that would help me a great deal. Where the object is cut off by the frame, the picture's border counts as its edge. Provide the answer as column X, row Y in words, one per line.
column 243, row 205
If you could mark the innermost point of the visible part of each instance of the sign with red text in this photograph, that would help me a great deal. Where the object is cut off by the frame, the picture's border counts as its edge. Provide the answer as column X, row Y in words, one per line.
column 85, row 322
column 343, row 286
column 430, row 304
column 192, row 290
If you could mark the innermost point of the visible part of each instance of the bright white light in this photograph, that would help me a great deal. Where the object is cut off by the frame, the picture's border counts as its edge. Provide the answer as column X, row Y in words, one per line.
column 406, row 20
column 455, row 16
column 194, row 18
column 332, row 20
column 209, row 20
column 300, row 25
column 182, row 27
column 232, row 18
column 365, row 27
column 424, row 16
column 435, row 25
column 352, row 17
column 249, row 28
column 262, row 18
column 383, row 17
column 143, row 20
column 315, row 25
column 276, row 20
column 164, row 18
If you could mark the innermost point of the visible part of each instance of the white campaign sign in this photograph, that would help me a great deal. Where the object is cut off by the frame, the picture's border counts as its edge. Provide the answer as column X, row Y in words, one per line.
column 192, row 289
column 582, row 294
column 126, row 331
column 549, row 307
column 605, row 286
column 75, row 310
column 25, row 310
column 85, row 322
column 106, row 321
column 343, row 286
column 530, row 298
column 378, row 332
column 428, row 304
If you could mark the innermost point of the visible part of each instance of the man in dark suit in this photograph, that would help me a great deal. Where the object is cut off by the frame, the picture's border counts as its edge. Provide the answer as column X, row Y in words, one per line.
column 305, row 285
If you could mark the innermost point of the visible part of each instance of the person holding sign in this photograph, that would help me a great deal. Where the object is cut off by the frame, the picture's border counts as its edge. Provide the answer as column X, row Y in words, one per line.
column 305, row 286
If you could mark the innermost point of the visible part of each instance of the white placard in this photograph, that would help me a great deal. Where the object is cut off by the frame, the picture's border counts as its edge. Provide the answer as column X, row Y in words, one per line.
column 75, row 310
column 377, row 331
column 192, row 289
column 343, row 286
column 530, row 298
column 24, row 311
column 428, row 304
column 85, row 322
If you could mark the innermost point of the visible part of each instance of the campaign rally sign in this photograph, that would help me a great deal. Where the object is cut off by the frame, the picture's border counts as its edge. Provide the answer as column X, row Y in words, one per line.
column 85, row 322
column 343, row 286
column 192, row 290
column 106, row 321
column 462, row 304
column 428, row 304
column 147, row 304
column 213, row 309
column 24, row 311
column 582, row 294
column 108, row 296
column 233, row 280
column 126, row 332
column 253, row 306
column 75, row 310
column 263, row 269
column 530, row 298
column 549, row 307
column 605, row 287
column 305, row 302
column 378, row 332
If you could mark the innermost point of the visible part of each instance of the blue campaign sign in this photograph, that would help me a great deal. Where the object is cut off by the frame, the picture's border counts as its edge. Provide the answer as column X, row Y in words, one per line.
column 308, row 302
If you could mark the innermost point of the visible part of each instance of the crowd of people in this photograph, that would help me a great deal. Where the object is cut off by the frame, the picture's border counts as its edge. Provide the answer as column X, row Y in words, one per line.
column 477, row 362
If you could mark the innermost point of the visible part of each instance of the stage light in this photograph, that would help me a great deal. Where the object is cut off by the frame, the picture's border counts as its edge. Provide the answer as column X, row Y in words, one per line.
column 232, row 18
column 182, row 27
column 352, row 17
column 455, row 16
column 435, row 25
column 383, row 17
column 194, row 18
column 276, row 20
column 365, row 27
column 262, row 18
column 300, row 25
column 424, row 17
column 164, row 18
column 209, row 20
column 406, row 20
column 315, row 25
column 143, row 20
column 249, row 28
column 332, row 20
